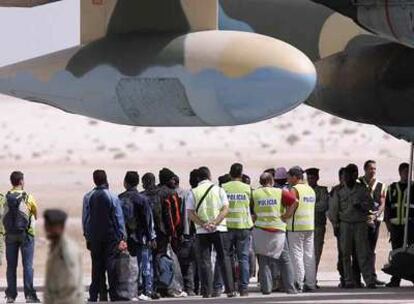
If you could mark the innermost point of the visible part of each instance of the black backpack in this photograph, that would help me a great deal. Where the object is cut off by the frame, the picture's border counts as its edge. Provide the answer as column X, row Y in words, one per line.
column 15, row 221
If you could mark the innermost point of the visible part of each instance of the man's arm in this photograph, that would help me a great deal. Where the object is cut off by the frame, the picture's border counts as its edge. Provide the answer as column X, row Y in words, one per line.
column 323, row 204
column 290, row 202
column 85, row 215
column 381, row 207
column 32, row 205
column 119, row 218
column 149, row 221
column 333, row 211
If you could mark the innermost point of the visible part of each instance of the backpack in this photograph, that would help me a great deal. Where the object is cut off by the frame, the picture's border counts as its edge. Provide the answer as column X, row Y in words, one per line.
column 15, row 221
column 173, row 205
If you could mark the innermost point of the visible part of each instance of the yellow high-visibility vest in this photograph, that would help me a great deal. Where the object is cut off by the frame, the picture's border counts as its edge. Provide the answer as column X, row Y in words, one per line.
column 304, row 216
column 239, row 195
column 268, row 208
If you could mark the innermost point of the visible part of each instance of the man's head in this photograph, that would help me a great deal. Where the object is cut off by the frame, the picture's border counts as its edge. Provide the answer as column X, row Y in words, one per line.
column 266, row 179
column 312, row 175
column 54, row 223
column 236, row 171
column 370, row 168
column 295, row 175
column 100, row 178
column 246, row 179
column 280, row 176
column 351, row 175
column 17, row 179
column 194, row 178
column 271, row 171
column 131, row 179
column 224, row 179
column 148, row 181
column 166, row 177
column 404, row 170
column 204, row 173
column 176, row 181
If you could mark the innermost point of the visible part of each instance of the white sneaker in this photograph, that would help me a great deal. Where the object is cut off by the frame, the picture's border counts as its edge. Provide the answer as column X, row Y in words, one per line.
column 143, row 297
column 181, row 294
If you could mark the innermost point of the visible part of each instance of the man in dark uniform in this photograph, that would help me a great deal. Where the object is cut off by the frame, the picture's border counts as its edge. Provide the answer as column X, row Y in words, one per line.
column 396, row 212
column 321, row 207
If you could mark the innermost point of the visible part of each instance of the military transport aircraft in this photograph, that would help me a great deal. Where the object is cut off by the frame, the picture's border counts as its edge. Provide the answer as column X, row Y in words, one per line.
column 163, row 63
column 180, row 63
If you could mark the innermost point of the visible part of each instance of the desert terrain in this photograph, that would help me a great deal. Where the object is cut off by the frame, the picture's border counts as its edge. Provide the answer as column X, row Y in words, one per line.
column 59, row 151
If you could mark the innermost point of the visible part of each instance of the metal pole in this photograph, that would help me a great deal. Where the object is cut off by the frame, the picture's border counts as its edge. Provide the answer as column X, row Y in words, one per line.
column 407, row 210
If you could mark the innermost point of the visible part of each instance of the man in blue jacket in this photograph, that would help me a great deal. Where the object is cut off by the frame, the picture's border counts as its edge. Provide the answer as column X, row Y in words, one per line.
column 140, row 229
column 104, row 231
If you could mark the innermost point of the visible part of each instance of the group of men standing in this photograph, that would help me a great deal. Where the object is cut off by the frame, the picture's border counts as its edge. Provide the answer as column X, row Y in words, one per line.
column 170, row 233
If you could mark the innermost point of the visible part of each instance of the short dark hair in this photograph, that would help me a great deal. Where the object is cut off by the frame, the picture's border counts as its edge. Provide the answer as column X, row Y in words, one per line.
column 266, row 179
column 296, row 172
column 246, row 179
column 224, row 179
column 148, row 180
column 341, row 172
column 132, row 178
column 165, row 176
column 194, row 178
column 176, row 178
column 236, row 170
column 16, row 178
column 351, row 168
column 403, row 166
column 204, row 173
column 55, row 217
column 369, row 162
column 271, row 171
column 100, row 178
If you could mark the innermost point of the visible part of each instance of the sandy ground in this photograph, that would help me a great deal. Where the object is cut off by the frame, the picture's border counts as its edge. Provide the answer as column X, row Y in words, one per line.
column 58, row 152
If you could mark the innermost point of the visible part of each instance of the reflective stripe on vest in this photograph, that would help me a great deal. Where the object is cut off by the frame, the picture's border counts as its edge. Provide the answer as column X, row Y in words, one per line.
column 400, row 204
column 239, row 216
column 211, row 206
column 304, row 216
column 268, row 208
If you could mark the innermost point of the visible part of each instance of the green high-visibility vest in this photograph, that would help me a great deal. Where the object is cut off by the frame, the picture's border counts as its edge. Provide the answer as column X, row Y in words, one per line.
column 211, row 206
column 268, row 208
column 304, row 216
column 239, row 216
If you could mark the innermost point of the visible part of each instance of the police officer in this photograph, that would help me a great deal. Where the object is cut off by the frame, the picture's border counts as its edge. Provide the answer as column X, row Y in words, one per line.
column 301, row 231
column 378, row 193
column 321, row 207
column 272, row 207
column 349, row 212
column 239, row 222
column 208, row 208
column 396, row 212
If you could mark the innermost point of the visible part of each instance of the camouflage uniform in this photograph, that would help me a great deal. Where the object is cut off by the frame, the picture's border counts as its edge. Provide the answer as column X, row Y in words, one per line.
column 64, row 274
column 349, row 211
column 321, row 207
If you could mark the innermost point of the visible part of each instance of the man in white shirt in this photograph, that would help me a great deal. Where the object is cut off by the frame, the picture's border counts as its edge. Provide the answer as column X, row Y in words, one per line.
column 208, row 208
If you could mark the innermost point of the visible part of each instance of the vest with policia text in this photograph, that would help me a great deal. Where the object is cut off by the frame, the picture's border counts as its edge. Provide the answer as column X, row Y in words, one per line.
column 397, row 196
column 211, row 206
column 239, row 216
column 304, row 217
column 268, row 208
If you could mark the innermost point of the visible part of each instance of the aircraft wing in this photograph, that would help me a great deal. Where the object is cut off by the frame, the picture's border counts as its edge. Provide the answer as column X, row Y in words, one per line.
column 405, row 133
column 25, row 3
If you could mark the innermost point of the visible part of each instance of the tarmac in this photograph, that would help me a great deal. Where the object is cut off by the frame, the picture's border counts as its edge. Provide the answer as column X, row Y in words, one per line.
column 328, row 293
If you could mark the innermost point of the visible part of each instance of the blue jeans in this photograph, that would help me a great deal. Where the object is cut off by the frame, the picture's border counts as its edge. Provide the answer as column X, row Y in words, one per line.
column 146, row 270
column 26, row 247
column 239, row 241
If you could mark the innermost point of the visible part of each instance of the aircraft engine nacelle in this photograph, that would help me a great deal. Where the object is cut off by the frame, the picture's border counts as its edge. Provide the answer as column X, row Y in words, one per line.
column 391, row 19
column 208, row 78
column 374, row 85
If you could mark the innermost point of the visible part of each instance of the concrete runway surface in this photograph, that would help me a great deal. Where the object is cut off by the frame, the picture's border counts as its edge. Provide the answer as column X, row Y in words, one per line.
column 328, row 293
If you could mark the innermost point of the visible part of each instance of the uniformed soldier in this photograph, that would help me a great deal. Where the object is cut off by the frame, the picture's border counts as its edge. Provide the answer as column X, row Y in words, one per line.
column 396, row 212
column 378, row 192
column 301, row 231
column 349, row 211
column 321, row 208
column 239, row 222
column 64, row 274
